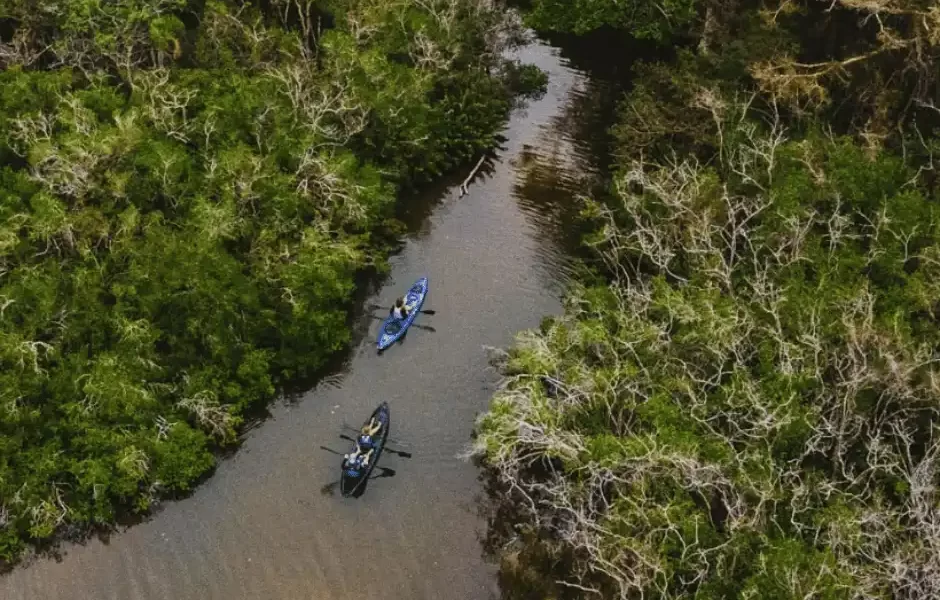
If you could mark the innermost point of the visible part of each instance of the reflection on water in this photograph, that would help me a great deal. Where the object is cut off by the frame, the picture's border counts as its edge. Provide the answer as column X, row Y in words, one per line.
column 570, row 156
column 266, row 525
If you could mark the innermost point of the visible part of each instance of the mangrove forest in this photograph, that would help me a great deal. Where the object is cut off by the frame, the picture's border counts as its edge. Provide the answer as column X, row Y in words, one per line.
column 742, row 397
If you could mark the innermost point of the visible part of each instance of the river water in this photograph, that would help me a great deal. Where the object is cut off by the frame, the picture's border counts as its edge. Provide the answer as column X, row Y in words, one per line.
column 261, row 526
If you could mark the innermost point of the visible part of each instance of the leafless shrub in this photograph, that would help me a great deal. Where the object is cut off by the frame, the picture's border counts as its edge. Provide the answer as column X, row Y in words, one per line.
column 165, row 103
column 212, row 416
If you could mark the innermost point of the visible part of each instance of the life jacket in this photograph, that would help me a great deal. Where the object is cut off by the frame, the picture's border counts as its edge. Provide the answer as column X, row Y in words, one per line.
column 400, row 312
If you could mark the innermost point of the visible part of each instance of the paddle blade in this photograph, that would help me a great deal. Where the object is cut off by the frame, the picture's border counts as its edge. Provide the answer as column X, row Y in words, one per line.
column 331, row 450
column 385, row 472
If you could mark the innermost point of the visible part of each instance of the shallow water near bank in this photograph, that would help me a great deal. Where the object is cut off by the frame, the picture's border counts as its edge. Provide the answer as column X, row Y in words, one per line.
column 260, row 527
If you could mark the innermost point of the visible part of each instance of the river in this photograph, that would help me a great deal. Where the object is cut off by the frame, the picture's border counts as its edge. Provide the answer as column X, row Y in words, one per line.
column 261, row 527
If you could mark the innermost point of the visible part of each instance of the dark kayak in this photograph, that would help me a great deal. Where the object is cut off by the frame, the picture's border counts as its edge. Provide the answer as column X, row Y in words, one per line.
column 352, row 479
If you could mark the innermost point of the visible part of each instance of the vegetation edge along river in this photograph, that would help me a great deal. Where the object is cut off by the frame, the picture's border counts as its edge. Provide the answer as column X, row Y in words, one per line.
column 188, row 190
column 741, row 399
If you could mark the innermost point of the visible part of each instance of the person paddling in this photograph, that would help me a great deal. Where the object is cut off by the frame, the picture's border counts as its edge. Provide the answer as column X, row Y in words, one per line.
column 365, row 437
column 399, row 311
column 364, row 460
column 354, row 458
column 359, row 458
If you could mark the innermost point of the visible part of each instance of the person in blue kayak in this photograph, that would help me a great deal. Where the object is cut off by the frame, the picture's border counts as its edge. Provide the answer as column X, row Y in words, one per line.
column 399, row 311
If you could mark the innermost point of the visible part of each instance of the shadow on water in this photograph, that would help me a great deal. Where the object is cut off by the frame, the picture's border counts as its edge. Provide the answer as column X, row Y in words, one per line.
column 551, row 186
column 330, row 488
column 529, row 562
column 414, row 213
column 571, row 159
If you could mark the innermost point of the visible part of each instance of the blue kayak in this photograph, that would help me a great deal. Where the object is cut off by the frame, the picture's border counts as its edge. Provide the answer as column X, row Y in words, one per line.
column 393, row 328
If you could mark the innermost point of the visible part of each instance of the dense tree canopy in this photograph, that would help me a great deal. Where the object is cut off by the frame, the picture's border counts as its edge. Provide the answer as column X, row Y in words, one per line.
column 742, row 400
column 187, row 191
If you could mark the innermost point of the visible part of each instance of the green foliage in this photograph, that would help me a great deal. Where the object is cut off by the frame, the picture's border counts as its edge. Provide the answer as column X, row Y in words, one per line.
column 747, row 406
column 189, row 191
column 790, row 569
column 641, row 19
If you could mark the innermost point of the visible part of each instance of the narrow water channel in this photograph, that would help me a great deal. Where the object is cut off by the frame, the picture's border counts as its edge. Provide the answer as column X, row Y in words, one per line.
column 261, row 528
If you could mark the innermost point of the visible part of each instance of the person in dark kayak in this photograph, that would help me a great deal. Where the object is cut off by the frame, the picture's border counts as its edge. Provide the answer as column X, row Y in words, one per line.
column 357, row 460
column 353, row 459
column 399, row 311
column 365, row 437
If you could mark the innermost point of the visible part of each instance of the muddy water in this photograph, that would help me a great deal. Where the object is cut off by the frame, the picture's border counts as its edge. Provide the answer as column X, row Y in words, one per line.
column 261, row 527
